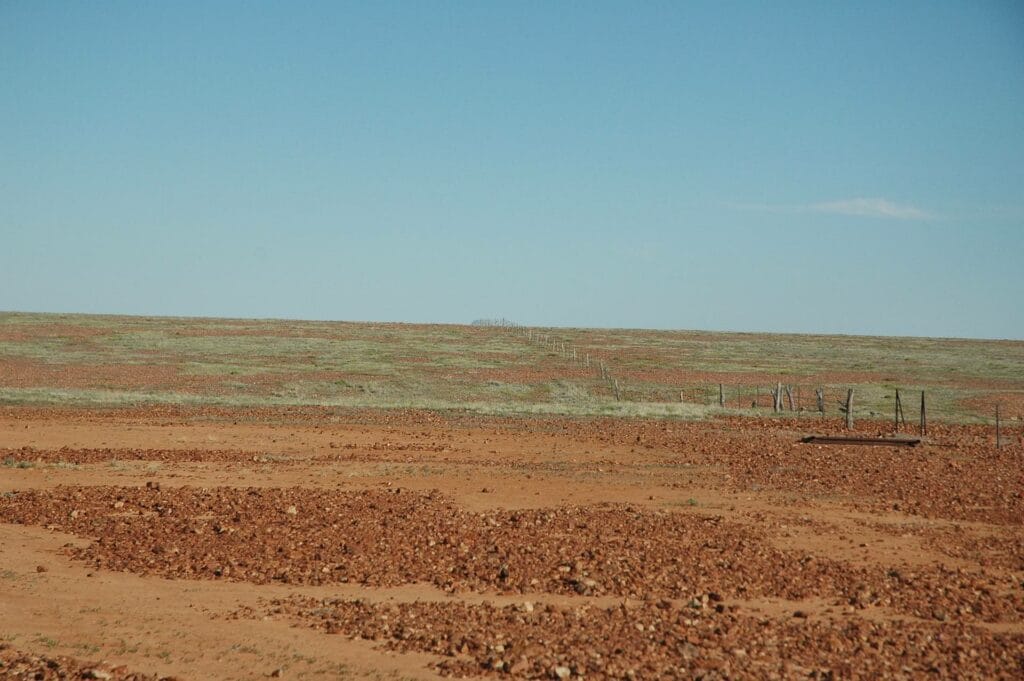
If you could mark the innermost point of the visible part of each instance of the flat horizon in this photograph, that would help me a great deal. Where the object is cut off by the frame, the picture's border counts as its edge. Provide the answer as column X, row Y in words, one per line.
column 823, row 334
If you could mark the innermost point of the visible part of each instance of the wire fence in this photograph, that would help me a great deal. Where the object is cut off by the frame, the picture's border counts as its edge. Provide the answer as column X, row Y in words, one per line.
column 904, row 406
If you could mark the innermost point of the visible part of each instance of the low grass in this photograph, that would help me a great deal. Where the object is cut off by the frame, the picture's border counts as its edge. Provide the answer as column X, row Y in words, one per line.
column 110, row 398
column 253, row 363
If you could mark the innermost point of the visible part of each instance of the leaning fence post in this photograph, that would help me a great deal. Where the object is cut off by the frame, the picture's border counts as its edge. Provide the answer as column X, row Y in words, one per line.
column 849, row 409
column 896, row 411
column 998, row 443
column 924, row 416
column 898, row 416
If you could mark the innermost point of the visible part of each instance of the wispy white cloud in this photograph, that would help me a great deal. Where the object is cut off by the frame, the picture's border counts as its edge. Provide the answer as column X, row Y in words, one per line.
column 870, row 208
column 860, row 207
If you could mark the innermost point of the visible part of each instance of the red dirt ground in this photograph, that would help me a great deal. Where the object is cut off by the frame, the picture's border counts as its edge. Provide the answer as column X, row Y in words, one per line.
column 327, row 543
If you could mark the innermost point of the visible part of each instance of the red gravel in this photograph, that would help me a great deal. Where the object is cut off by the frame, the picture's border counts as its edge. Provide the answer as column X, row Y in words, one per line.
column 307, row 536
column 662, row 639
column 105, row 454
column 21, row 666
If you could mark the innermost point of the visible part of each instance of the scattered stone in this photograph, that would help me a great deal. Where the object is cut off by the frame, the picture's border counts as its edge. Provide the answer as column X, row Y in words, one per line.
column 96, row 674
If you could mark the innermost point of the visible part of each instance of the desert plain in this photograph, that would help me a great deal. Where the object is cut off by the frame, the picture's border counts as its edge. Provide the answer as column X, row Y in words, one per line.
column 244, row 499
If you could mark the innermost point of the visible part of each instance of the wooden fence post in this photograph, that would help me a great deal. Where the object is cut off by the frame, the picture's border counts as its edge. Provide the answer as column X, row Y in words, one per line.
column 820, row 394
column 924, row 416
column 849, row 409
column 998, row 442
column 899, row 411
column 789, row 396
column 721, row 395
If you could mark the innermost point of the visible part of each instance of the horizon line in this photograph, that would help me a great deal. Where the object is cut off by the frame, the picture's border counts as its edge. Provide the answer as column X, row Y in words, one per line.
column 824, row 334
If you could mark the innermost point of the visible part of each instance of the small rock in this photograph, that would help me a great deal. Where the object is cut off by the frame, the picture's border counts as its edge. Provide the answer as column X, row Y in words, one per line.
column 291, row 510
column 96, row 674
column 562, row 672
column 42, row 568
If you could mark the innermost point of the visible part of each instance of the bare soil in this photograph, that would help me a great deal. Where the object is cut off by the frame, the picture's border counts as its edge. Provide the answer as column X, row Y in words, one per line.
column 205, row 542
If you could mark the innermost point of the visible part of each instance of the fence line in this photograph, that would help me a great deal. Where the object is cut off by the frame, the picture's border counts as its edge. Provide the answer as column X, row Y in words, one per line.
column 798, row 398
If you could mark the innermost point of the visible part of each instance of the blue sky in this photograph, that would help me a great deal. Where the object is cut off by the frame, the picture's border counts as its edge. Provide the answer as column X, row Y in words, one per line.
column 781, row 166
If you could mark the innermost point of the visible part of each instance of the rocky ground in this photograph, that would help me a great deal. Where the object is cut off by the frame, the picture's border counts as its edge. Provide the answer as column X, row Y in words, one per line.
column 701, row 638
column 21, row 666
column 531, row 548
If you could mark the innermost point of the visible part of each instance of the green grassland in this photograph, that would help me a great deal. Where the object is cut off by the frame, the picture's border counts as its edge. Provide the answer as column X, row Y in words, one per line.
column 86, row 360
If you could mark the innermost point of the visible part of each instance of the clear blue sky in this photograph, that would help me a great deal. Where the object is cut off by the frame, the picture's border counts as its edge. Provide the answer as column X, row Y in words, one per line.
column 791, row 166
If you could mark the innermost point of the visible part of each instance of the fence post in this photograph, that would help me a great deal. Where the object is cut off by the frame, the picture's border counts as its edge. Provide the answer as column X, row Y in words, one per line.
column 896, row 411
column 924, row 416
column 998, row 443
column 849, row 409
column 820, row 394
column 721, row 395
